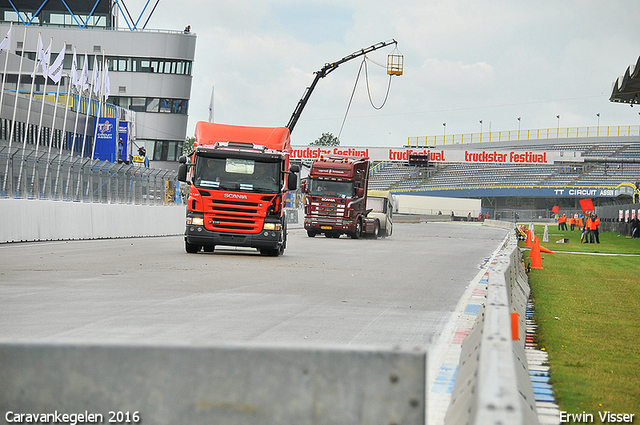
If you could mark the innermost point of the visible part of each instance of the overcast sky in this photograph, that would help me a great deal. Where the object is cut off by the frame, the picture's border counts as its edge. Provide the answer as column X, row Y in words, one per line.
column 464, row 61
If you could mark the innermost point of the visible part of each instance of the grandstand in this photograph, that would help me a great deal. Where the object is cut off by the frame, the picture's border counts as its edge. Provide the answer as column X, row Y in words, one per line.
column 607, row 169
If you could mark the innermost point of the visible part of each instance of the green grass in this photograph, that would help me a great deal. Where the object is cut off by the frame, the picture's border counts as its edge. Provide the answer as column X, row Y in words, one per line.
column 587, row 308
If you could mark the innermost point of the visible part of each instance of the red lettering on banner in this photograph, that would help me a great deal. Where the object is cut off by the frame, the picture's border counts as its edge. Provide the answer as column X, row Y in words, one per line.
column 404, row 155
column 435, row 155
column 351, row 152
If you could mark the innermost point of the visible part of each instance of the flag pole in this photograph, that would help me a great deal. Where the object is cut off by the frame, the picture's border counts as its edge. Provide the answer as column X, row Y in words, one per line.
column 13, row 120
column 86, row 121
column 211, row 105
column 6, row 61
column 79, row 88
column 26, row 133
column 55, row 75
column 71, row 84
column 99, row 94
column 45, row 74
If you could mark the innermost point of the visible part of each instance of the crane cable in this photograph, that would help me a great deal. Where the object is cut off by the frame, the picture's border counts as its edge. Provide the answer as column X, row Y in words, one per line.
column 369, row 91
column 363, row 63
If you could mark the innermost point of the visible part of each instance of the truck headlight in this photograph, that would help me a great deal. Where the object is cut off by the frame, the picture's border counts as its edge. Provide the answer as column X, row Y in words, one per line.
column 197, row 221
column 272, row 226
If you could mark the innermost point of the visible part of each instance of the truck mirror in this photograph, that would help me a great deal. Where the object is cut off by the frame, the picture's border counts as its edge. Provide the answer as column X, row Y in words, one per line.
column 182, row 172
column 292, row 182
column 182, row 159
column 294, row 168
column 303, row 186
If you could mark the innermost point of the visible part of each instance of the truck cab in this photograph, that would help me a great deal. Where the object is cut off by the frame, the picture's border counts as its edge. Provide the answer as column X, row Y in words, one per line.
column 380, row 207
column 238, row 177
column 335, row 202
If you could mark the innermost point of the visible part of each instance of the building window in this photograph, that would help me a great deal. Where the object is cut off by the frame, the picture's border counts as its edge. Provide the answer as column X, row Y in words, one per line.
column 151, row 104
column 165, row 150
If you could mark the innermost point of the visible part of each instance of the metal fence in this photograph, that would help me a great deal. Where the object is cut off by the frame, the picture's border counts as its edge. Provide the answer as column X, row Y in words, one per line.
column 31, row 174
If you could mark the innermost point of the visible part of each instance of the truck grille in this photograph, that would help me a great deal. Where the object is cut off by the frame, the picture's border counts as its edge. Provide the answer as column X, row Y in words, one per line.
column 328, row 209
column 234, row 215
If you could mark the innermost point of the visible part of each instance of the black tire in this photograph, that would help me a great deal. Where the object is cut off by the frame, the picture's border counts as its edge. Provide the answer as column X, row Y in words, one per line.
column 358, row 232
column 376, row 230
column 311, row 233
column 191, row 248
column 272, row 252
column 209, row 248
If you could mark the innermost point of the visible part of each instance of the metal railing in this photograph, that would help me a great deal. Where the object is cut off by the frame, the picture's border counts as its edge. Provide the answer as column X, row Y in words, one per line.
column 29, row 174
column 536, row 134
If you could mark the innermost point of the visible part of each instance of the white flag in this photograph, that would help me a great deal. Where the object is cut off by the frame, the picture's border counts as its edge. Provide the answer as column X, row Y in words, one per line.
column 107, row 82
column 74, row 71
column 96, row 80
column 84, row 77
column 211, row 106
column 4, row 44
column 46, row 55
column 39, row 53
column 55, row 70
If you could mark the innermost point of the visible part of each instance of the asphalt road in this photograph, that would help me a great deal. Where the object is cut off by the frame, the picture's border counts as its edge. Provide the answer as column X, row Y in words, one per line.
column 398, row 291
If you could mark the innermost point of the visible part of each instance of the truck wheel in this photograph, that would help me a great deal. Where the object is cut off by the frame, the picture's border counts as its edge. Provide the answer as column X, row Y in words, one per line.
column 311, row 233
column 191, row 248
column 272, row 252
column 209, row 248
column 358, row 232
column 376, row 230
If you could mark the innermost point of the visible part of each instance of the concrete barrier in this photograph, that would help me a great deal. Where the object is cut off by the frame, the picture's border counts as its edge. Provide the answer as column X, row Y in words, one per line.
column 226, row 385
column 492, row 384
column 40, row 220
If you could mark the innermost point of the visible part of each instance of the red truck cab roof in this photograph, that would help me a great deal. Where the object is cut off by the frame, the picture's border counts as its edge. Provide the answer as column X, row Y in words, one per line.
column 339, row 167
column 276, row 138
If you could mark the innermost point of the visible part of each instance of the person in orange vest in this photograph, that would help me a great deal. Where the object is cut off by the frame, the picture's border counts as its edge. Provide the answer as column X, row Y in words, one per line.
column 572, row 222
column 593, row 231
column 586, row 230
column 562, row 222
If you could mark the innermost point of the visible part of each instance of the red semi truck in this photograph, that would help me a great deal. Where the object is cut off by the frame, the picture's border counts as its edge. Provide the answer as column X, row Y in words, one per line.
column 336, row 199
column 238, row 179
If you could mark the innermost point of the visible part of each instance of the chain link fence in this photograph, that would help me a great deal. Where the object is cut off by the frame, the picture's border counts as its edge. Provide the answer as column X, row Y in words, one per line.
column 31, row 174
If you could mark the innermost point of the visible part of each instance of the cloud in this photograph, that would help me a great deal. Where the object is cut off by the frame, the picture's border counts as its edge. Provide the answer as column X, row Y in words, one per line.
column 464, row 61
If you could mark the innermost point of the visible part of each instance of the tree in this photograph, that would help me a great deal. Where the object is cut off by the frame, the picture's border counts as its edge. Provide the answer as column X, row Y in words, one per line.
column 327, row 139
column 187, row 146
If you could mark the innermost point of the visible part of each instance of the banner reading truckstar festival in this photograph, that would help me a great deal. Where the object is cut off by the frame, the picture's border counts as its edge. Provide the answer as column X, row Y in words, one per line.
column 469, row 156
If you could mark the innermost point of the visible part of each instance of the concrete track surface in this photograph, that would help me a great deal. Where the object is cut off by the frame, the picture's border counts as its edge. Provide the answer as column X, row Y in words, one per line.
column 398, row 291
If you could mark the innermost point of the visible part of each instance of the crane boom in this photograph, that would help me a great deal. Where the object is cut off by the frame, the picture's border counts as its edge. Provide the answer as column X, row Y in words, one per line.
column 329, row 67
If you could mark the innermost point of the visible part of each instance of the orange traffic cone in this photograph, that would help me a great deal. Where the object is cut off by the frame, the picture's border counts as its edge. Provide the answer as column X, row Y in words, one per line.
column 547, row 250
column 528, row 242
column 536, row 260
column 533, row 243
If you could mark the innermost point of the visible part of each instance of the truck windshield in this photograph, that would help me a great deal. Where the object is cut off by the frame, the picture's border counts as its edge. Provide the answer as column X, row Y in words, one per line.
column 332, row 188
column 237, row 174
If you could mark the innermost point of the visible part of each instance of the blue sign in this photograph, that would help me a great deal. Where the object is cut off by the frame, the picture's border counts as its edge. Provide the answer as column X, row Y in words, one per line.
column 105, row 143
column 548, row 192
column 123, row 135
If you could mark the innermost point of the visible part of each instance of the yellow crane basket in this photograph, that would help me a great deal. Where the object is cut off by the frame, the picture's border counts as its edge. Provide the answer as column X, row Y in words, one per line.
column 395, row 64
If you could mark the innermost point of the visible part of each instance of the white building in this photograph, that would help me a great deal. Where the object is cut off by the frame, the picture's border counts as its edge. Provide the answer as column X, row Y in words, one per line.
column 149, row 71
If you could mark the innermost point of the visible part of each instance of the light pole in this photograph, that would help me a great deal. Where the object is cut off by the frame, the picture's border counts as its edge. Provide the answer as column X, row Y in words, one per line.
column 519, row 118
column 558, row 116
column 598, row 115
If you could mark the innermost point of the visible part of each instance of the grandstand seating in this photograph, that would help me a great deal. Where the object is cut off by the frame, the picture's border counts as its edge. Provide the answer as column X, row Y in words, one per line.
column 399, row 176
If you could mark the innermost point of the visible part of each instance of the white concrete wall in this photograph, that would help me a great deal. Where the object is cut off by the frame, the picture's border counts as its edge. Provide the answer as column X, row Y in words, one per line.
column 35, row 220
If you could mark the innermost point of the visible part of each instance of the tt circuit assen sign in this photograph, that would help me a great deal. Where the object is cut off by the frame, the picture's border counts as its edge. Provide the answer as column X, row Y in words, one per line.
column 469, row 156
